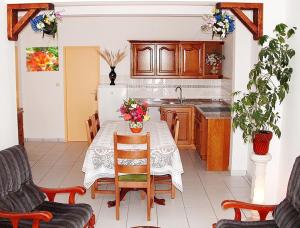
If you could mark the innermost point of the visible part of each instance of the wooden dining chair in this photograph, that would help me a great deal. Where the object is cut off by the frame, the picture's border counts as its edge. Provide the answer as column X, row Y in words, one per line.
column 96, row 187
column 89, row 130
column 95, row 122
column 167, row 179
column 133, row 176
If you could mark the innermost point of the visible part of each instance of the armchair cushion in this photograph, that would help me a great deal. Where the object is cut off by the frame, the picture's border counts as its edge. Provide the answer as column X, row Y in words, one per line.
column 64, row 215
column 226, row 223
column 18, row 193
column 286, row 215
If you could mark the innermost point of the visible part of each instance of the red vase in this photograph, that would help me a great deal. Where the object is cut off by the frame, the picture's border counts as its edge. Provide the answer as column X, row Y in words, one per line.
column 261, row 142
column 135, row 127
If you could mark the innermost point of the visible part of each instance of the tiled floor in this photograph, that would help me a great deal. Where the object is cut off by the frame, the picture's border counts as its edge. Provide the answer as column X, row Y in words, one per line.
column 59, row 165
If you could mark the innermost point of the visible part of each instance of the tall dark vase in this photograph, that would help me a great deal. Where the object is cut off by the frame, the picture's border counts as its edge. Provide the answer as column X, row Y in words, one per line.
column 112, row 75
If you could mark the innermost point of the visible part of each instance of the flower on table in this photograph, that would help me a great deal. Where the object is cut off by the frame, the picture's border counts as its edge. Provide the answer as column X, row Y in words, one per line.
column 133, row 111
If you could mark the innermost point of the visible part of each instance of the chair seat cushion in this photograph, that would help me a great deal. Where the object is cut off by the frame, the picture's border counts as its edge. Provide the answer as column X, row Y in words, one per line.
column 226, row 223
column 64, row 216
column 133, row 177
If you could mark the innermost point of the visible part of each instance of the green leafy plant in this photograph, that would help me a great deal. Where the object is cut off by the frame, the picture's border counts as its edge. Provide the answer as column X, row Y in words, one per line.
column 255, row 110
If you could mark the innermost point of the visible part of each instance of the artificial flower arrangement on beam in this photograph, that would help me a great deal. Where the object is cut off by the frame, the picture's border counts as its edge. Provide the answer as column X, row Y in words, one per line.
column 220, row 24
column 46, row 23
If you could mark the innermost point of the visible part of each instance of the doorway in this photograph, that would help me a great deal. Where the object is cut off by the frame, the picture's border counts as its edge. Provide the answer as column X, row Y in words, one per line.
column 82, row 70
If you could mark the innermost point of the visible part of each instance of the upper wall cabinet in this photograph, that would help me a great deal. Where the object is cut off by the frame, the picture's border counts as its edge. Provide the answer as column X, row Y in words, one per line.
column 173, row 59
column 167, row 60
column 191, row 61
column 144, row 59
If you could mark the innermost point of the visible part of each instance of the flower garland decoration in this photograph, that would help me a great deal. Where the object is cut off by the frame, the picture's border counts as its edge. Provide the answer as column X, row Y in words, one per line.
column 220, row 23
column 131, row 110
column 46, row 23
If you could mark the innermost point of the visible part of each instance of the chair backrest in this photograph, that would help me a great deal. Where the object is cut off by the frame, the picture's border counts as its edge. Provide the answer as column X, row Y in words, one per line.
column 17, row 190
column 293, row 190
column 175, row 133
column 132, row 154
column 173, row 124
column 89, row 130
column 95, row 122
column 287, row 213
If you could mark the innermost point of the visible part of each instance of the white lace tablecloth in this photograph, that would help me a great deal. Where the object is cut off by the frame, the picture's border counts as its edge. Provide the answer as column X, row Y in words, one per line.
column 165, row 157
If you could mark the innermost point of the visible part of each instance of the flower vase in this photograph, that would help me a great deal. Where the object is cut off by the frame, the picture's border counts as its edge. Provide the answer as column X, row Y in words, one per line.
column 112, row 75
column 135, row 127
column 214, row 69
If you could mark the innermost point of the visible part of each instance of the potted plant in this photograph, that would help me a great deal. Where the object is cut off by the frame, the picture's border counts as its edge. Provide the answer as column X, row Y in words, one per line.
column 254, row 111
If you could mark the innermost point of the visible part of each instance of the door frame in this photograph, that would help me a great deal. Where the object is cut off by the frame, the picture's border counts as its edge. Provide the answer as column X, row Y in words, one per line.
column 65, row 84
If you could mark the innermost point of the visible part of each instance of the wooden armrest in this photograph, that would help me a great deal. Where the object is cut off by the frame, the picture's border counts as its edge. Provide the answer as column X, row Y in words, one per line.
column 262, row 210
column 51, row 192
column 35, row 216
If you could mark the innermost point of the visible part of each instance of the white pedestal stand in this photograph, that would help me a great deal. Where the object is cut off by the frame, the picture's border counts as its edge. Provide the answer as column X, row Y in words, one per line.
column 258, row 179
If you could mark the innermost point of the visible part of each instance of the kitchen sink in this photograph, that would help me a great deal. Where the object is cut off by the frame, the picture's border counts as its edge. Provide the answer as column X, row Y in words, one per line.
column 215, row 109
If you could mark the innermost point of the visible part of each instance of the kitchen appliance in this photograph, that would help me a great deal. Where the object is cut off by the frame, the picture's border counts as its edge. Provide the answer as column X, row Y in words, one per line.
column 110, row 99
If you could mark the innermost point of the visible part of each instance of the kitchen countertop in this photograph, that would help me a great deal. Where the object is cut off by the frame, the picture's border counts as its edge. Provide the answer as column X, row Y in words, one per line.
column 211, row 109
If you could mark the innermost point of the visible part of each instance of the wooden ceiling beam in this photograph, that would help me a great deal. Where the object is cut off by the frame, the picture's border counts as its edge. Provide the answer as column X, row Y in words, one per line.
column 15, row 26
column 255, row 26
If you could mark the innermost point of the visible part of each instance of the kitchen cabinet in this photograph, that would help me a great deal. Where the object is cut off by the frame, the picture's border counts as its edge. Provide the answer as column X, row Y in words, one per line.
column 172, row 59
column 212, row 141
column 186, row 123
column 143, row 59
column 200, row 134
column 191, row 61
column 167, row 60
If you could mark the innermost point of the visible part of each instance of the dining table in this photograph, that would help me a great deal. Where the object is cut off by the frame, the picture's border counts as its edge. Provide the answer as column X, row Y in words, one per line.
column 164, row 154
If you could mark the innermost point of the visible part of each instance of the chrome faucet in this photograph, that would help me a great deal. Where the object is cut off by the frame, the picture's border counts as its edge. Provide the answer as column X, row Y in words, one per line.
column 180, row 95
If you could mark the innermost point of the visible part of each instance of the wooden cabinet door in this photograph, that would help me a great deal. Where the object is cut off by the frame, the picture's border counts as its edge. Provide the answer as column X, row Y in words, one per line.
column 167, row 60
column 184, row 115
column 197, row 135
column 203, row 138
column 191, row 62
column 143, row 60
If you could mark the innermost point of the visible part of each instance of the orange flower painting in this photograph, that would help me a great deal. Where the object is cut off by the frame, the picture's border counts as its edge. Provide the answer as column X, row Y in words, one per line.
column 42, row 59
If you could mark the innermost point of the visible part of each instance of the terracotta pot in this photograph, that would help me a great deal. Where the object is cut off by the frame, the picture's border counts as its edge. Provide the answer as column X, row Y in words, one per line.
column 135, row 127
column 261, row 142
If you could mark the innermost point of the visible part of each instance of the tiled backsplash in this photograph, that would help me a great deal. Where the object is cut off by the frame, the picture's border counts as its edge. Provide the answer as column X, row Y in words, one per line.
column 165, row 88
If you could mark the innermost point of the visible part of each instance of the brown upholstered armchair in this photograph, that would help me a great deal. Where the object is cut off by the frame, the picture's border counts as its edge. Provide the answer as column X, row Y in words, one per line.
column 286, row 214
column 23, row 204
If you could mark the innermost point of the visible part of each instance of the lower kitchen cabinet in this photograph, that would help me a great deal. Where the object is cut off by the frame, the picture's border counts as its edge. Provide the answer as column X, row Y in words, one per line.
column 212, row 141
column 186, row 123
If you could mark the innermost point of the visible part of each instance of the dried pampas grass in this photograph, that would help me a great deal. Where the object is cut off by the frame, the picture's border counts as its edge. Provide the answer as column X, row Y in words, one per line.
column 111, row 58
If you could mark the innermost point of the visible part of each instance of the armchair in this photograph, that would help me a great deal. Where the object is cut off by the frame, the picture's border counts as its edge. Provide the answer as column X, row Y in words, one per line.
column 23, row 204
column 286, row 214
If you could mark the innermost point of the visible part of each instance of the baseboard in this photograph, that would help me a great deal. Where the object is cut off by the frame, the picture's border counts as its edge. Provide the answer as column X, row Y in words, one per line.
column 44, row 140
column 186, row 147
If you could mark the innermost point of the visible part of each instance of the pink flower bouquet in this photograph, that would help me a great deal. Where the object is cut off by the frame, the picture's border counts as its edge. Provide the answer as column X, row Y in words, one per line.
column 132, row 111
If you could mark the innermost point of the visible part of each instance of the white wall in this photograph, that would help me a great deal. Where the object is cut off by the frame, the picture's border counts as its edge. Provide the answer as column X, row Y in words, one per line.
column 8, row 106
column 42, row 92
column 290, row 147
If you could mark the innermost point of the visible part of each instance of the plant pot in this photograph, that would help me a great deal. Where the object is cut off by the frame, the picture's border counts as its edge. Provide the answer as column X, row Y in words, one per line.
column 261, row 142
column 135, row 127
column 112, row 75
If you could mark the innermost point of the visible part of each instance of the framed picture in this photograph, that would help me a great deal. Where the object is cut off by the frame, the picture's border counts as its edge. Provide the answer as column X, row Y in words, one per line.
column 42, row 59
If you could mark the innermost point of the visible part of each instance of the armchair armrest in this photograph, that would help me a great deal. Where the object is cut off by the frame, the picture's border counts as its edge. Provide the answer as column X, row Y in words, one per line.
column 51, row 192
column 35, row 216
column 262, row 210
